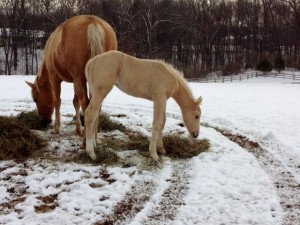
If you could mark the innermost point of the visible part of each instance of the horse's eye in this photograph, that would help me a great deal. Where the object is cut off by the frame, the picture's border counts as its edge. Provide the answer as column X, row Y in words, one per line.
column 35, row 100
column 197, row 117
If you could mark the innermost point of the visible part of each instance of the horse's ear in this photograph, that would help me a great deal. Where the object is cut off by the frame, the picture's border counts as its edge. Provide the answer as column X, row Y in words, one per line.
column 199, row 100
column 30, row 84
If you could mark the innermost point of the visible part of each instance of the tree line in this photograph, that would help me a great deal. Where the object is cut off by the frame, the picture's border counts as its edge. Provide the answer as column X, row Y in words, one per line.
column 197, row 36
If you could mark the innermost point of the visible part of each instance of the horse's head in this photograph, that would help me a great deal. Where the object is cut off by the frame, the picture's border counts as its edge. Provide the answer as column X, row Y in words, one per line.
column 191, row 117
column 44, row 102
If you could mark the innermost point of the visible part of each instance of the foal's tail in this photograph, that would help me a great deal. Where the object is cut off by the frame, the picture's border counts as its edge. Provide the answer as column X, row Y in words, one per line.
column 96, row 39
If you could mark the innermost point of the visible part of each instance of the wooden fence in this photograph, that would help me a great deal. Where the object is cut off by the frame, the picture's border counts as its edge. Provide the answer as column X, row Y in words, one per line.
column 239, row 77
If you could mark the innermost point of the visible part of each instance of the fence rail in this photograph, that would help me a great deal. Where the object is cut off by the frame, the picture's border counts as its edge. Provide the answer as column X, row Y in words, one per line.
column 239, row 77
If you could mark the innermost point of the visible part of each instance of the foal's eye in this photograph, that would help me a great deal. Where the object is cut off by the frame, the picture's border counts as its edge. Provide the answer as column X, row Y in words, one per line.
column 35, row 100
column 197, row 117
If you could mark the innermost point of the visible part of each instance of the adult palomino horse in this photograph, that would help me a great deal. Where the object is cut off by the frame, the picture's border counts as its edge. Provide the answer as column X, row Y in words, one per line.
column 67, row 51
column 150, row 79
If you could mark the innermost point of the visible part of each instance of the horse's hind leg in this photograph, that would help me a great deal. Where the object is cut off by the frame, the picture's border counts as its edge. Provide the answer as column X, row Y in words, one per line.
column 158, row 123
column 76, row 104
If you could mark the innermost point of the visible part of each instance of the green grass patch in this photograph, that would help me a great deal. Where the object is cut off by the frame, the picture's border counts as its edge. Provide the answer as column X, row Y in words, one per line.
column 32, row 120
column 17, row 142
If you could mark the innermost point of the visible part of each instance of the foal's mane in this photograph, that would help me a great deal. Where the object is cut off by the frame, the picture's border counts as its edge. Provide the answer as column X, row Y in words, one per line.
column 179, row 77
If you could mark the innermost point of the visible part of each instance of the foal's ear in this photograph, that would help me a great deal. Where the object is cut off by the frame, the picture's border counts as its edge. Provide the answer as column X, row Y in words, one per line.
column 199, row 100
column 30, row 84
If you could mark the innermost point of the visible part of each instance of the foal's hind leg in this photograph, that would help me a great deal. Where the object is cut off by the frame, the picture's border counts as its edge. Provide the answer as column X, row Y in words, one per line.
column 158, row 123
column 91, row 118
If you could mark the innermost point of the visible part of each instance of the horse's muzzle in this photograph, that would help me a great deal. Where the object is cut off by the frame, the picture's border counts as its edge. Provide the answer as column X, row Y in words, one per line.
column 45, row 121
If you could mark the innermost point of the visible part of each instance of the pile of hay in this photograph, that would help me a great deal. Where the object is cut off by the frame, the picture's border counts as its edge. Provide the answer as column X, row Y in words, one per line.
column 17, row 141
column 182, row 147
column 32, row 120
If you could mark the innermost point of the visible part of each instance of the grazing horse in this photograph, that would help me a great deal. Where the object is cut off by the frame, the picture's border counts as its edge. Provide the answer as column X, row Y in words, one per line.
column 67, row 51
column 150, row 79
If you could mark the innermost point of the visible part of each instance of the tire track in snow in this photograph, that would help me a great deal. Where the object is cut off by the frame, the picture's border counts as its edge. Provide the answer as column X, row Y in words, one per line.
column 164, row 211
column 153, row 201
column 286, row 184
column 131, row 204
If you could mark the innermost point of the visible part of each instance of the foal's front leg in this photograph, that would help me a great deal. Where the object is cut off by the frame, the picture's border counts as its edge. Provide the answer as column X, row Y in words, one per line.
column 158, row 123
column 159, row 142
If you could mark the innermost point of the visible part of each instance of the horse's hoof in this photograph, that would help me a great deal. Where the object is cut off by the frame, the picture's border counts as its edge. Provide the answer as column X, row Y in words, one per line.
column 79, row 132
column 55, row 132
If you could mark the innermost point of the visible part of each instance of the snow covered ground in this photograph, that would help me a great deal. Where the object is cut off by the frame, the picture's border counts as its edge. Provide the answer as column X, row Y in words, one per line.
column 232, row 183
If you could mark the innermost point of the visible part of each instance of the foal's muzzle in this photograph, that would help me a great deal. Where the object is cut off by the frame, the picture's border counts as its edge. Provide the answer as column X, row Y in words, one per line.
column 195, row 134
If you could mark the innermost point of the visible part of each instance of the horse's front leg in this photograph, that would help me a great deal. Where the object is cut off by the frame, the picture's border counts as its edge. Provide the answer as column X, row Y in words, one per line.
column 79, row 129
column 158, row 123
column 57, row 103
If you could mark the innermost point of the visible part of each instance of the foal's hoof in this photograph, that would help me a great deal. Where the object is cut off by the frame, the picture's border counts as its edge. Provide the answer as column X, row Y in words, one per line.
column 92, row 155
column 162, row 151
column 155, row 158
column 156, row 163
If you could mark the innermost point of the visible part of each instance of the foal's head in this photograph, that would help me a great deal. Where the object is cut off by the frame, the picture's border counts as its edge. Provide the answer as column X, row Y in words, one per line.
column 44, row 102
column 191, row 117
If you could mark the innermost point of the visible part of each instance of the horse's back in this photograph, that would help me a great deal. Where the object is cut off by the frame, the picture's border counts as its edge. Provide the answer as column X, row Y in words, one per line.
column 68, row 48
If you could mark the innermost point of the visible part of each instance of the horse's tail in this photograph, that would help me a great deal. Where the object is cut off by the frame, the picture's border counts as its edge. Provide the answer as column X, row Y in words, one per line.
column 96, row 39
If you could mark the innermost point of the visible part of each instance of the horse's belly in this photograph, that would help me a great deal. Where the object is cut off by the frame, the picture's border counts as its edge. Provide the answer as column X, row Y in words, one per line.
column 133, row 91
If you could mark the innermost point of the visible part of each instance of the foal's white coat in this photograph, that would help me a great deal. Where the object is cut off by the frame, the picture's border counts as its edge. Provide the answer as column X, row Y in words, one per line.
column 150, row 79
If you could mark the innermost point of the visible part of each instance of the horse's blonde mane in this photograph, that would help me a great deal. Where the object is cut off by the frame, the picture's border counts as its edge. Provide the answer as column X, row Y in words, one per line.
column 179, row 76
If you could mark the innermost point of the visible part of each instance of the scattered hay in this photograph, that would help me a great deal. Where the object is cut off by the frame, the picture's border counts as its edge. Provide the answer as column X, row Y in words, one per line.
column 175, row 145
column 32, row 120
column 104, row 156
column 106, row 124
column 17, row 141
